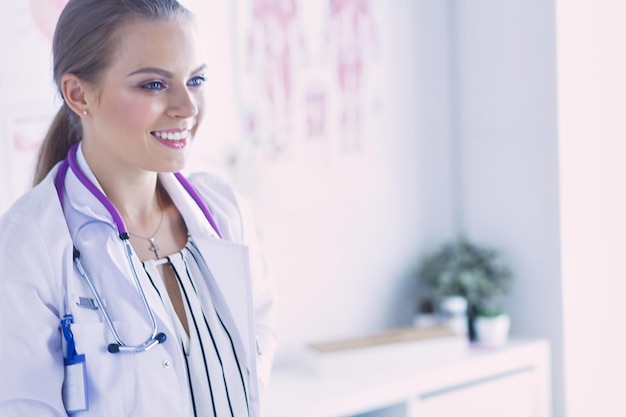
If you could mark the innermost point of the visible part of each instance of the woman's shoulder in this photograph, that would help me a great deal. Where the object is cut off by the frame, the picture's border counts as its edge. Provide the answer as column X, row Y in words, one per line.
column 227, row 205
column 211, row 182
column 31, row 208
column 33, row 228
column 215, row 188
column 34, row 244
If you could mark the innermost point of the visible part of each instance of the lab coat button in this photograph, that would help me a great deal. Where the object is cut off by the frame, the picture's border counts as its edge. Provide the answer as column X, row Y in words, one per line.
column 167, row 364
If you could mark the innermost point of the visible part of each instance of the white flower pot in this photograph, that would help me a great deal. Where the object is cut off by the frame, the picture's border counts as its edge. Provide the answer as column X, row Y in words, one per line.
column 493, row 331
column 454, row 312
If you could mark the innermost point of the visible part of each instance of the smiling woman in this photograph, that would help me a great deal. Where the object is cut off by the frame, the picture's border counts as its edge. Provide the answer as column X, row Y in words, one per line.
column 129, row 258
column 154, row 85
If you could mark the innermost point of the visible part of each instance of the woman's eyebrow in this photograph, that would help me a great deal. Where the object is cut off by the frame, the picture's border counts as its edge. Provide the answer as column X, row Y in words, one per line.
column 152, row 70
column 200, row 69
column 162, row 72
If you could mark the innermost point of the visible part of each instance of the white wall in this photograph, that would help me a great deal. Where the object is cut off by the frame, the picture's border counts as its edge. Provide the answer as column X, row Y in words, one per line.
column 345, row 265
column 592, row 87
column 541, row 172
column 508, row 146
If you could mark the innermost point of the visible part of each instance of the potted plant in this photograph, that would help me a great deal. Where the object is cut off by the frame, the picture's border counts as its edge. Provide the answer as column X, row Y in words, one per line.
column 492, row 327
column 477, row 273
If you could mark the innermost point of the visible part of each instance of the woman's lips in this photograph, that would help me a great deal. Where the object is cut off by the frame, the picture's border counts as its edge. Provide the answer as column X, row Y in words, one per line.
column 175, row 138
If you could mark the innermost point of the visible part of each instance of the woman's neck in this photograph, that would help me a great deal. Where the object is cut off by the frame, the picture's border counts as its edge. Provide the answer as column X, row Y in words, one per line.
column 137, row 200
column 134, row 192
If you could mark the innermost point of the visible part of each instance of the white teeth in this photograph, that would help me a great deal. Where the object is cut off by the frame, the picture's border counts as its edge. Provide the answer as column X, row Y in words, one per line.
column 172, row 136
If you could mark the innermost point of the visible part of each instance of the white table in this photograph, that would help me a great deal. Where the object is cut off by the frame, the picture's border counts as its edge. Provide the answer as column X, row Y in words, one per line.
column 512, row 381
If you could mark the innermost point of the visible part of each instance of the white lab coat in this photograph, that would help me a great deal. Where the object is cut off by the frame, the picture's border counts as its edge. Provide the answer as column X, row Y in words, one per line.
column 39, row 284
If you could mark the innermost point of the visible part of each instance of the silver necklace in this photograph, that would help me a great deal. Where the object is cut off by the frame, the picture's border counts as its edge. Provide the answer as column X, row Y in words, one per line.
column 153, row 246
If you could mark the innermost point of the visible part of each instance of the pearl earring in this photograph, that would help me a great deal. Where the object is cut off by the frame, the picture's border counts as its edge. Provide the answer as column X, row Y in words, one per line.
column 85, row 113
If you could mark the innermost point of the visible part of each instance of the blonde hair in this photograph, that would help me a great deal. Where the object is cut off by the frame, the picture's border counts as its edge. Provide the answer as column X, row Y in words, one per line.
column 84, row 40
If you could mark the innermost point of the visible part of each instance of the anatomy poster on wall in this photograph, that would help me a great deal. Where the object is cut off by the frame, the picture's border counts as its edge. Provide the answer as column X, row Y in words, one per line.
column 27, row 99
column 310, row 86
column 26, row 34
column 310, row 73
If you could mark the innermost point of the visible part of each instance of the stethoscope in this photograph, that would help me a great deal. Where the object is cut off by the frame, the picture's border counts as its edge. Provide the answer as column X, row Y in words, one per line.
column 155, row 338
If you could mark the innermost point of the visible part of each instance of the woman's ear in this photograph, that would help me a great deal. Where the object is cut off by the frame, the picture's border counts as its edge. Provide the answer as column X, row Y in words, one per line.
column 74, row 92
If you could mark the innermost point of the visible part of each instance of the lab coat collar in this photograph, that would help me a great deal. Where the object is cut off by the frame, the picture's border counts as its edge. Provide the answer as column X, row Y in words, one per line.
column 197, row 224
column 86, row 203
column 80, row 198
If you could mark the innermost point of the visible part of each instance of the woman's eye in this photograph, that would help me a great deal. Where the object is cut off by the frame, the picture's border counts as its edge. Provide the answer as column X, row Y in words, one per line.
column 197, row 81
column 154, row 85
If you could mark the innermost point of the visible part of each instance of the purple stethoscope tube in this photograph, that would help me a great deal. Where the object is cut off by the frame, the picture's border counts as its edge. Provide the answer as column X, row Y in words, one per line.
column 155, row 338
column 72, row 163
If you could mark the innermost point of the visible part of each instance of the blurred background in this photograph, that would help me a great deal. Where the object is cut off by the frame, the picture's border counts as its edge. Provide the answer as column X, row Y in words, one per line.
column 367, row 133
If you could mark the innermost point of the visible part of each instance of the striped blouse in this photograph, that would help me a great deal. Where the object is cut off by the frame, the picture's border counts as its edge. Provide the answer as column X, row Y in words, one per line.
column 215, row 377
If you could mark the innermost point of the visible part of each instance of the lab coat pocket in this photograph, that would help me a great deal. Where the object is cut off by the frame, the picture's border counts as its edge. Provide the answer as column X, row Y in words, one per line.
column 111, row 378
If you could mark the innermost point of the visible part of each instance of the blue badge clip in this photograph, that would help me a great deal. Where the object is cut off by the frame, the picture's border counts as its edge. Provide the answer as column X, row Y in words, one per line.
column 75, row 382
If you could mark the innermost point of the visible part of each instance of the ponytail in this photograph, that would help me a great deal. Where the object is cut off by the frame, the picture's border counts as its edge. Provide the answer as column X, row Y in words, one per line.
column 65, row 131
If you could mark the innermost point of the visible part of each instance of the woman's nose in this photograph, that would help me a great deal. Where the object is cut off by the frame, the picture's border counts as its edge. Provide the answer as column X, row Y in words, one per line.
column 184, row 104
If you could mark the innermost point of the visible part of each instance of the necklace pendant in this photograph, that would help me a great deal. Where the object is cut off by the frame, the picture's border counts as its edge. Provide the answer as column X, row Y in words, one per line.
column 154, row 248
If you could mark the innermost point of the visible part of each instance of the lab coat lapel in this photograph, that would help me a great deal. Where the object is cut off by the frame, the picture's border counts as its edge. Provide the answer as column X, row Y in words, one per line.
column 227, row 263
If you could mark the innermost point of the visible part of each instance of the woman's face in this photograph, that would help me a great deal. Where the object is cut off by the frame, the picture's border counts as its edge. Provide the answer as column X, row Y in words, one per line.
column 146, row 108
